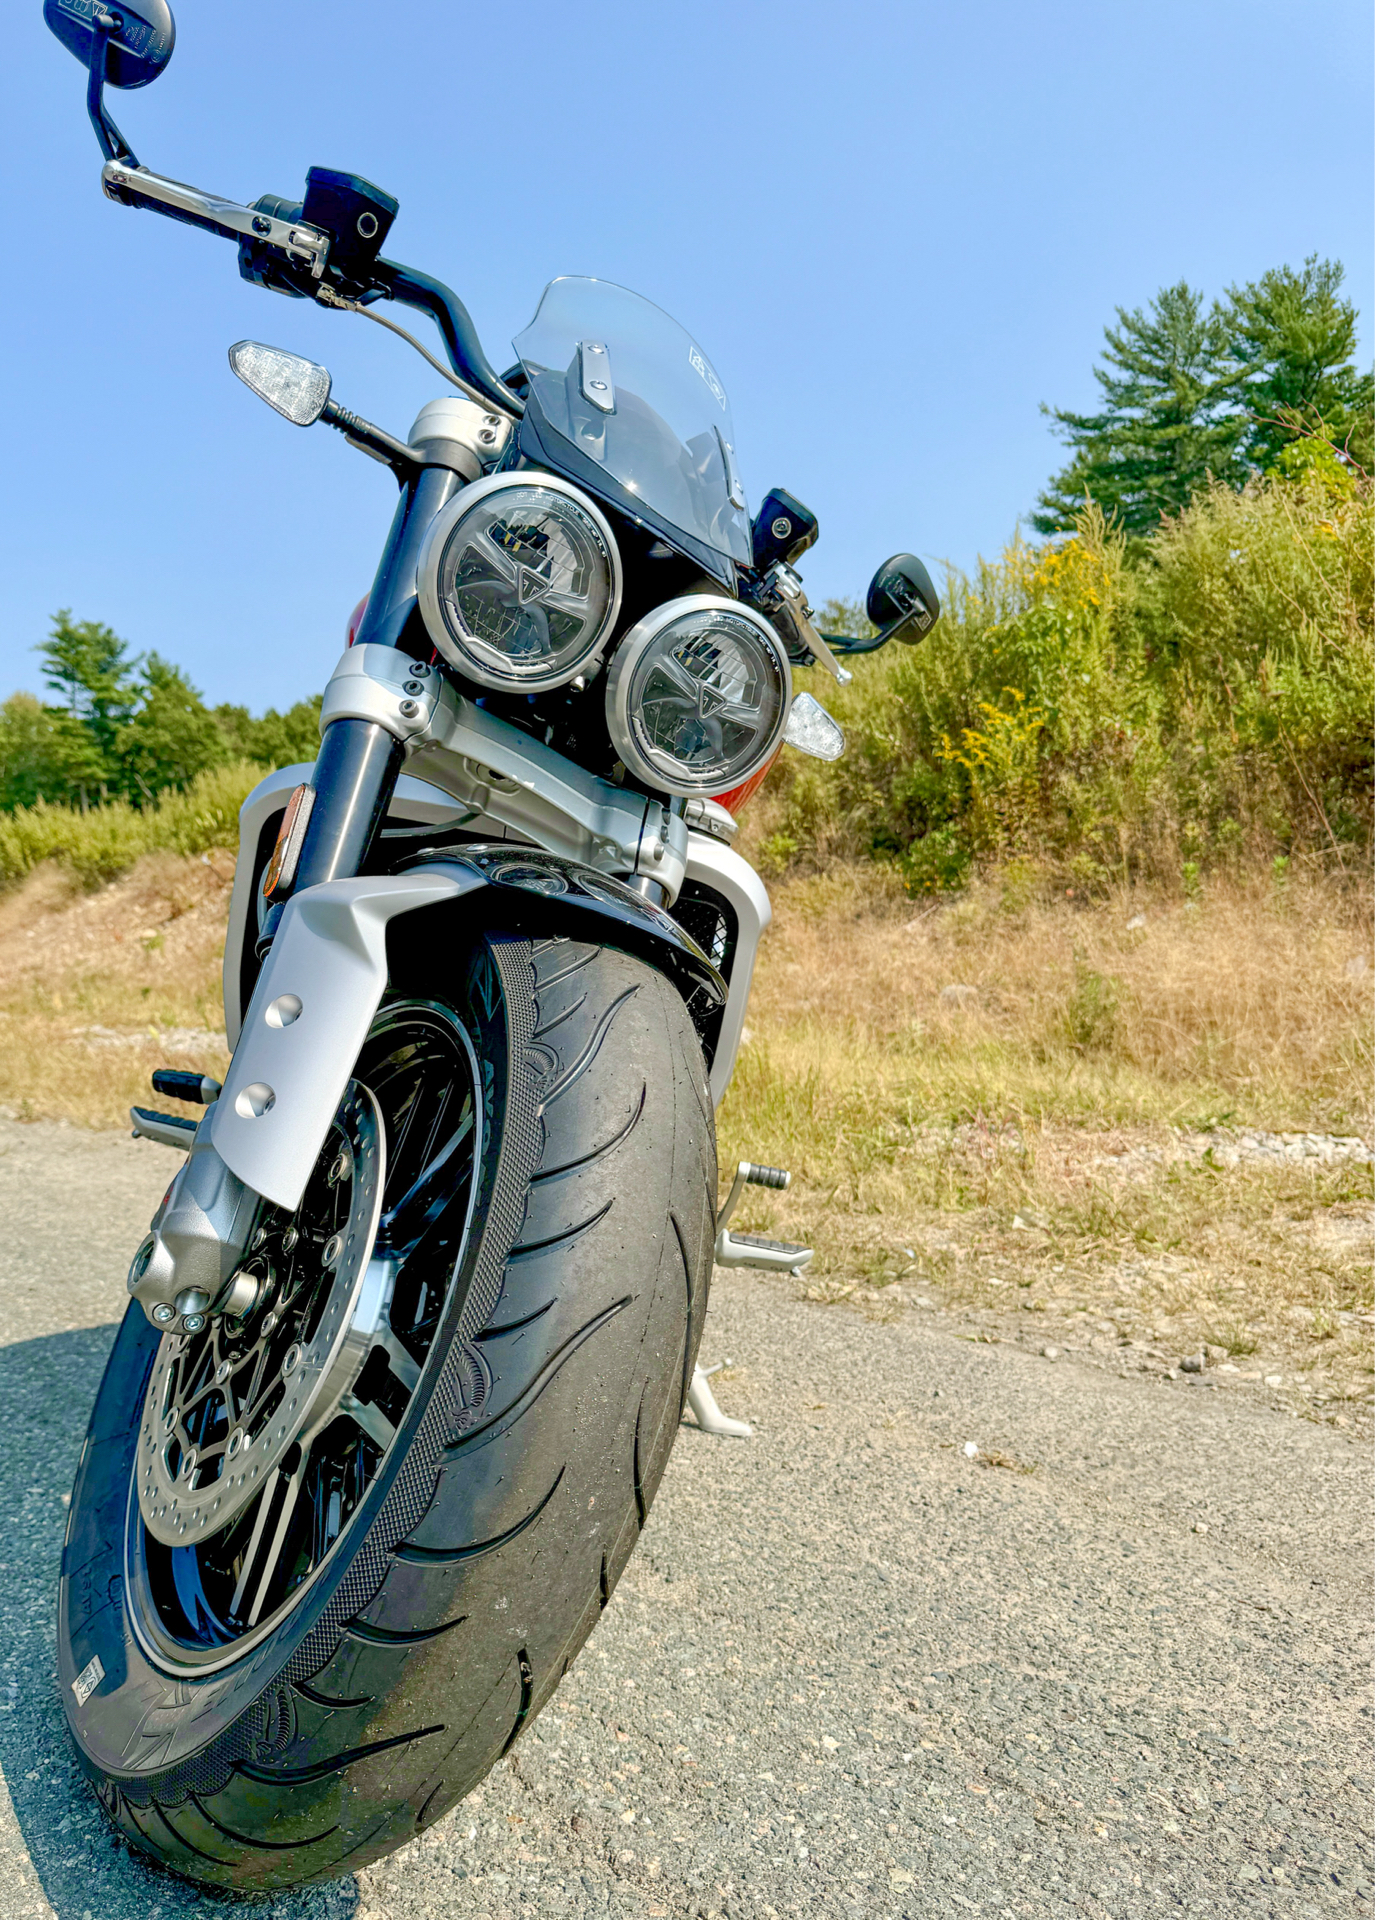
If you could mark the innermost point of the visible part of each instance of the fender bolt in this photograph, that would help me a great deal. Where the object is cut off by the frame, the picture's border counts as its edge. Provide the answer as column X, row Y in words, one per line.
column 413, row 686
column 409, row 709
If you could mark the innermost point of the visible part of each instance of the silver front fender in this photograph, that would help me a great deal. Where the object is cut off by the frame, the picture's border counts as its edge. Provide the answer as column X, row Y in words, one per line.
column 313, row 1004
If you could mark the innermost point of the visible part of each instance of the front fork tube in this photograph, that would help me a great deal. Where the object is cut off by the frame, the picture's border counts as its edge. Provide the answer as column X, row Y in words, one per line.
column 354, row 780
column 355, row 777
column 358, row 763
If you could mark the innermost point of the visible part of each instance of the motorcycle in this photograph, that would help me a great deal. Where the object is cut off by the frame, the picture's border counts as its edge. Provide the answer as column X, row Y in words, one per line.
column 411, row 1335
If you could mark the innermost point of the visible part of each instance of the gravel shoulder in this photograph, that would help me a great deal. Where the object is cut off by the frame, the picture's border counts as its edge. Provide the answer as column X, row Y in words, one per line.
column 1115, row 1662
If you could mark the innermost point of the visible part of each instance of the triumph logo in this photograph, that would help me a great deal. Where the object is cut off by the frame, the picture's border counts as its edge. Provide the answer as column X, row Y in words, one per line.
column 531, row 587
column 709, row 701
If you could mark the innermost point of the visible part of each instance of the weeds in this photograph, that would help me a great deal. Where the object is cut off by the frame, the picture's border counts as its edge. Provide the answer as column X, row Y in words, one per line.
column 1041, row 1142
column 1200, row 711
column 108, row 840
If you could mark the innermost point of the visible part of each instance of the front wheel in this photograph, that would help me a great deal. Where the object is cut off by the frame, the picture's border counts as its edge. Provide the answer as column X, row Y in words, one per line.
column 327, row 1559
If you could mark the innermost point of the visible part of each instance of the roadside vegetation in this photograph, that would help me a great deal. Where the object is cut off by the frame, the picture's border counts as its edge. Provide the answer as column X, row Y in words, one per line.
column 1102, row 719
column 1000, row 1099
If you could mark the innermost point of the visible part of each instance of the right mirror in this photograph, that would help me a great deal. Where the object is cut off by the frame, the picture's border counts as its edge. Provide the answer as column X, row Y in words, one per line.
column 297, row 388
column 141, row 40
column 902, row 602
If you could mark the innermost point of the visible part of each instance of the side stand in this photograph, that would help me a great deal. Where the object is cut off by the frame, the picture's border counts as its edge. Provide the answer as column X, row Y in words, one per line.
column 708, row 1415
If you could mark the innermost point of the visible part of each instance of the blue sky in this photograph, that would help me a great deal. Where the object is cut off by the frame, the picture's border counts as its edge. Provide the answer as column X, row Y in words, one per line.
column 896, row 229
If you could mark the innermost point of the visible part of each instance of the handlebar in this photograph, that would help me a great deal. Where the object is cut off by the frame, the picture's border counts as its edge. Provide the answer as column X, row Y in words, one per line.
column 279, row 249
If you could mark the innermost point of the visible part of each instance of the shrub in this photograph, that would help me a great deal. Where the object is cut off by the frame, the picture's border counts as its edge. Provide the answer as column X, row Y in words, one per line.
column 1109, row 719
column 99, row 845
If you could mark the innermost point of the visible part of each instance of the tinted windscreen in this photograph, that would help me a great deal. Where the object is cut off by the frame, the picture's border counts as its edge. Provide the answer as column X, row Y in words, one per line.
column 634, row 393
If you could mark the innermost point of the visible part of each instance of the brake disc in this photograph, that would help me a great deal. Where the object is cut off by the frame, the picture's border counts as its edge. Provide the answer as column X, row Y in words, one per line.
column 225, row 1407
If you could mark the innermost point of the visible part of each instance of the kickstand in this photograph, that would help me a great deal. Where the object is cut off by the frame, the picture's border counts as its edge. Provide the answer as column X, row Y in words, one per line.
column 708, row 1415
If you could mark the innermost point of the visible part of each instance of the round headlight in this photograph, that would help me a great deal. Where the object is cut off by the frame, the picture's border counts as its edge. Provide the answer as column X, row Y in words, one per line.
column 519, row 581
column 698, row 695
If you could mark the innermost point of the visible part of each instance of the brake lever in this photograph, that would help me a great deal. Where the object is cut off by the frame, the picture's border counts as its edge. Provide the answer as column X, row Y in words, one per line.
column 303, row 246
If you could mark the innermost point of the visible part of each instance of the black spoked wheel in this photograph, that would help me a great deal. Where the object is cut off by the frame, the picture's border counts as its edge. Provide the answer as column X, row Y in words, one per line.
column 262, row 1433
column 327, row 1558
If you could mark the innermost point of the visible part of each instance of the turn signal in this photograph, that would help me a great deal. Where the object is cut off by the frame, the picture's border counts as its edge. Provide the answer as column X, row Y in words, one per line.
column 281, row 868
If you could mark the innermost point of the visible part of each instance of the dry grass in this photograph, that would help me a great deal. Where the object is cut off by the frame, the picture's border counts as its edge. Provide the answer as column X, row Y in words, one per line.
column 1035, row 1139
column 1032, row 1149
column 97, row 989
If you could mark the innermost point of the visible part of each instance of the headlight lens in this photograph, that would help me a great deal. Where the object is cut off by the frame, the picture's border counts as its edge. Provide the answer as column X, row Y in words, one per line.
column 519, row 581
column 698, row 695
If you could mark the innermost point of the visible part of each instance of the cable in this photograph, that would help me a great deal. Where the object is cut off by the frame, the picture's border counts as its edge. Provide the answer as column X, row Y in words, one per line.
column 329, row 298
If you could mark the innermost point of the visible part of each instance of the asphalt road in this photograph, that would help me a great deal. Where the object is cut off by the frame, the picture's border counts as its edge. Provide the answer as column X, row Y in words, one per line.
column 851, row 1670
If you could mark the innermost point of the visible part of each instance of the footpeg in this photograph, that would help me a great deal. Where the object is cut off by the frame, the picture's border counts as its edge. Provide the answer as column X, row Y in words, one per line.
column 751, row 1249
column 198, row 1088
column 168, row 1129
column 707, row 1414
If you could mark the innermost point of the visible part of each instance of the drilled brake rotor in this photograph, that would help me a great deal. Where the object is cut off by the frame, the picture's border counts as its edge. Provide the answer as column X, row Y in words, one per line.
column 226, row 1406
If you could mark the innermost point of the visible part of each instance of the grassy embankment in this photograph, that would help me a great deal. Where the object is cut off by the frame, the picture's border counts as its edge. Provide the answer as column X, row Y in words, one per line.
column 1084, row 744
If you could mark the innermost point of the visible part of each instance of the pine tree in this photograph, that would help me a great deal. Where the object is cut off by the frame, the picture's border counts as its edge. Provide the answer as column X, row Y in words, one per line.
column 88, row 666
column 1168, row 419
column 170, row 738
column 1293, row 339
column 274, row 739
column 46, row 753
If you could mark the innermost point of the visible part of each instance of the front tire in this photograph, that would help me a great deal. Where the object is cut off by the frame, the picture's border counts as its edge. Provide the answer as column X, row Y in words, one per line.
column 478, row 1557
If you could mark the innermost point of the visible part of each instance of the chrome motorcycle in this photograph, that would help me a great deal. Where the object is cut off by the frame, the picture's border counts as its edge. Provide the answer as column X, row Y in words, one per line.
column 413, row 1330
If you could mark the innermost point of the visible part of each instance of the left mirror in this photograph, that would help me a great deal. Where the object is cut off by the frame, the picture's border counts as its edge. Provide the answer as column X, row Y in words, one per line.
column 297, row 388
column 142, row 36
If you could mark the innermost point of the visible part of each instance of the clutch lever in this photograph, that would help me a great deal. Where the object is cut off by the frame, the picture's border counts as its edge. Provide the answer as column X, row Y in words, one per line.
column 304, row 247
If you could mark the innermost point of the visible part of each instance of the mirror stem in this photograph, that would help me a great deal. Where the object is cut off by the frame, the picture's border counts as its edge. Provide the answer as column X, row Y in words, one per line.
column 112, row 142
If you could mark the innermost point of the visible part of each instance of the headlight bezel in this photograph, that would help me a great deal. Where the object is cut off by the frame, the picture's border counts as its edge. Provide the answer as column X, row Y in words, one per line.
column 655, row 768
column 460, row 648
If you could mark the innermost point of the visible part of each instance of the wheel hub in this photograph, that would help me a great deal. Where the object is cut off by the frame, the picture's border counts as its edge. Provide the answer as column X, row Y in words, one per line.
column 225, row 1406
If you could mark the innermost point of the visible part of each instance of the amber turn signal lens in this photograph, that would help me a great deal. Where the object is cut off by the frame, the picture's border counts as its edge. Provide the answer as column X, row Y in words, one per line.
column 281, row 868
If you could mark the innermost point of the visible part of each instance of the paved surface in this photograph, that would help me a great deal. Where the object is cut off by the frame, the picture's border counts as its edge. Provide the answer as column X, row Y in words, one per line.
column 851, row 1670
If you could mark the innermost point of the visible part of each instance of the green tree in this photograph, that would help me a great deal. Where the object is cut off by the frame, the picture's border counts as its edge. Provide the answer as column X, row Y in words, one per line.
column 1168, row 420
column 170, row 737
column 275, row 739
column 45, row 754
column 89, row 668
column 1293, row 342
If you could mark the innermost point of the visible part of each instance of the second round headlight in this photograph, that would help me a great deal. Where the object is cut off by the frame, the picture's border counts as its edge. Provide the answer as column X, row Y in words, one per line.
column 698, row 695
column 519, row 581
